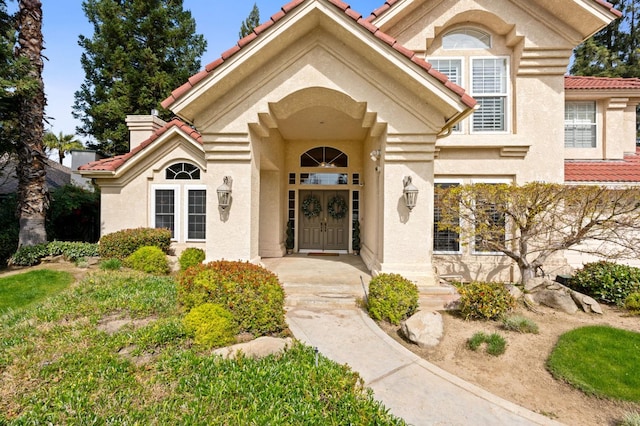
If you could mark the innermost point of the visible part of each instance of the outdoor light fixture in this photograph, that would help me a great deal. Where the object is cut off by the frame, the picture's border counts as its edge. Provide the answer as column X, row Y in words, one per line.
column 410, row 193
column 375, row 155
column 224, row 193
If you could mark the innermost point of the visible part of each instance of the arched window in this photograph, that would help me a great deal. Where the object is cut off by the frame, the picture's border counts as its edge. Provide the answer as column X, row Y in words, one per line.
column 324, row 156
column 466, row 38
column 182, row 171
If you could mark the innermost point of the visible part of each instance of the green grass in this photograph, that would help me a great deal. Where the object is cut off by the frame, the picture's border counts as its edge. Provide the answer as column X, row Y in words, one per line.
column 599, row 360
column 495, row 343
column 18, row 291
column 66, row 370
column 520, row 324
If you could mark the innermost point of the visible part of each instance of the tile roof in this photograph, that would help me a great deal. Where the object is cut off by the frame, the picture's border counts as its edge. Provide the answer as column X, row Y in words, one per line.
column 592, row 83
column 113, row 163
column 387, row 5
column 626, row 170
column 355, row 16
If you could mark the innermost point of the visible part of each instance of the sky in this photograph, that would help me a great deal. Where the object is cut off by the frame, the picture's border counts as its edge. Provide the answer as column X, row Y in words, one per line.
column 64, row 21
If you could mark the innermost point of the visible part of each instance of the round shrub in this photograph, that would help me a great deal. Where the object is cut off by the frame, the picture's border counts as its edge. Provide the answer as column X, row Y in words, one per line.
column 123, row 243
column 632, row 303
column 251, row 293
column 606, row 281
column 210, row 325
column 392, row 298
column 190, row 257
column 485, row 300
column 149, row 259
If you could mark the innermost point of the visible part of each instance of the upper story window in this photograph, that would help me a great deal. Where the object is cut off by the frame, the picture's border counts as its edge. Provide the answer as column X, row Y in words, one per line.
column 486, row 77
column 466, row 38
column 182, row 171
column 580, row 125
column 324, row 156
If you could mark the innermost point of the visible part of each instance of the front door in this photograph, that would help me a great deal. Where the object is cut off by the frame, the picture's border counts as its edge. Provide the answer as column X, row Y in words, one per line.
column 324, row 216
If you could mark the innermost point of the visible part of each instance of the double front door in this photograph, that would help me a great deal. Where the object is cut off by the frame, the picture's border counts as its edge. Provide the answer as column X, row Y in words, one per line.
column 324, row 216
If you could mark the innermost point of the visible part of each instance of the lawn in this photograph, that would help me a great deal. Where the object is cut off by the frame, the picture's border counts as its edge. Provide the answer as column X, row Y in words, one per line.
column 18, row 291
column 65, row 369
column 599, row 360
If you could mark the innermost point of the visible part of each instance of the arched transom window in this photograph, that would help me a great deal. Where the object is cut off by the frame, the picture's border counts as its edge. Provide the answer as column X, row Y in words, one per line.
column 182, row 171
column 324, row 156
column 466, row 38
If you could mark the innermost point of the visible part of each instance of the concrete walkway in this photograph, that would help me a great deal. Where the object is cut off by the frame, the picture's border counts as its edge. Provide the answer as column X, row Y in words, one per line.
column 322, row 312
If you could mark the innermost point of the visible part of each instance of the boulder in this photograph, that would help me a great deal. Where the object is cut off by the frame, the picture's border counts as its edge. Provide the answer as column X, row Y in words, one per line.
column 556, row 297
column 514, row 291
column 588, row 304
column 535, row 283
column 424, row 328
column 258, row 348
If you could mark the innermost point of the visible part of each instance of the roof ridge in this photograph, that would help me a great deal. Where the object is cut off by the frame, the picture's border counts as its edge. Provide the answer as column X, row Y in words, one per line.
column 355, row 16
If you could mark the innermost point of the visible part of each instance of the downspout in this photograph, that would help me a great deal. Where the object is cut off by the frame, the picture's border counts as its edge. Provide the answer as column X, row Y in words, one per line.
column 448, row 127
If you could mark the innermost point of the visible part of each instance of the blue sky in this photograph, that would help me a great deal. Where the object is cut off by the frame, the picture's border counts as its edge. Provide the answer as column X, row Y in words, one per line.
column 64, row 21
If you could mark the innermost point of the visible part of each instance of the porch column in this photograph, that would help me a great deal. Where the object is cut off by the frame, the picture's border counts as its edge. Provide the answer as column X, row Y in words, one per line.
column 407, row 234
column 232, row 234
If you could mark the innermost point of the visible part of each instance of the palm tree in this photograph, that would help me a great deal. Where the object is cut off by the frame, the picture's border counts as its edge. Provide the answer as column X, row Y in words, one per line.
column 63, row 143
column 33, row 195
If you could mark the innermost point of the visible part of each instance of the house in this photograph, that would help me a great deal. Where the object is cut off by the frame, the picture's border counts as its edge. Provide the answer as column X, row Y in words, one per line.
column 324, row 117
column 57, row 175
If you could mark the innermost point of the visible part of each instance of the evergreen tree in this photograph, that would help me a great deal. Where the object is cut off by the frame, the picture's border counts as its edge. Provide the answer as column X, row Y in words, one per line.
column 140, row 51
column 252, row 21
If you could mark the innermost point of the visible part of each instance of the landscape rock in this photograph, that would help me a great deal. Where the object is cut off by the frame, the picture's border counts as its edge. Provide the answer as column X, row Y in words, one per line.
column 536, row 283
column 556, row 297
column 258, row 348
column 587, row 303
column 424, row 328
column 514, row 291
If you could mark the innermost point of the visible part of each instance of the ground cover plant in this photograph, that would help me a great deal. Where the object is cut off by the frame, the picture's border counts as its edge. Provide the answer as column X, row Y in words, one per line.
column 599, row 360
column 494, row 343
column 520, row 324
column 18, row 291
column 70, row 364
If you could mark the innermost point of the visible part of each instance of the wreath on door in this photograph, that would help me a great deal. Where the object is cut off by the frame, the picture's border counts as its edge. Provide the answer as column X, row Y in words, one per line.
column 337, row 207
column 311, row 207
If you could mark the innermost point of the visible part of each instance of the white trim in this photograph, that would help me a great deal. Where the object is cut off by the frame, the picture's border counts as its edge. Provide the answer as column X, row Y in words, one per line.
column 507, row 95
column 185, row 208
column 176, row 203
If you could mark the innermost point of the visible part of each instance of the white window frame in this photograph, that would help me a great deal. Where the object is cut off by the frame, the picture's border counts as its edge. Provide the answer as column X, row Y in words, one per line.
column 478, row 96
column 574, row 122
column 506, row 221
column 185, row 208
column 460, row 236
column 177, row 209
column 460, row 127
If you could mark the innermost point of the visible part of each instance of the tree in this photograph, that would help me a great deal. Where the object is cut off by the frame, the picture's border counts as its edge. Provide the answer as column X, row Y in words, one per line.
column 529, row 223
column 139, row 52
column 33, row 199
column 62, row 143
column 252, row 21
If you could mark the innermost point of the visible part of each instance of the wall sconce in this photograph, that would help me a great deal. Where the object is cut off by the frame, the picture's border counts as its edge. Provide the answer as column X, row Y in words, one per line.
column 410, row 193
column 224, row 193
column 374, row 155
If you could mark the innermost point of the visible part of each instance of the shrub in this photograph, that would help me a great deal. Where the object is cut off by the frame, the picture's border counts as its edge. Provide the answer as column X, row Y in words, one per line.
column 632, row 303
column 74, row 214
column 29, row 255
column 211, row 325
column 520, row 324
column 392, row 298
column 630, row 419
column 112, row 264
column 496, row 344
column 607, row 281
column 9, row 228
column 149, row 259
column 190, row 257
column 72, row 251
column 123, row 243
column 481, row 300
column 251, row 293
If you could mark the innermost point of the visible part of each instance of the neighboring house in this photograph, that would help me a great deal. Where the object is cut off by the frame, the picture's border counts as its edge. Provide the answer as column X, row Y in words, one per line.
column 320, row 115
column 57, row 175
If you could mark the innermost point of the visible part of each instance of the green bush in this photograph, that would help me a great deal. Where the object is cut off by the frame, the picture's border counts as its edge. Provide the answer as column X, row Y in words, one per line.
column 485, row 300
column 29, row 255
column 520, row 324
column 632, row 303
column 123, row 243
column 251, row 293
column 211, row 325
column 392, row 298
column 74, row 214
column 72, row 251
column 606, row 281
column 190, row 257
column 9, row 228
column 149, row 259
column 495, row 343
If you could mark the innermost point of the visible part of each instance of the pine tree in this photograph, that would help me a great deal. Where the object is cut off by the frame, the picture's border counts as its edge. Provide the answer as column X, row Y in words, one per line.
column 140, row 51
column 252, row 21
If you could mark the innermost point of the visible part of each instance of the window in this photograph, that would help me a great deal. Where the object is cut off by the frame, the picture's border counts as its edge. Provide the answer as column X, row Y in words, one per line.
column 197, row 214
column 452, row 68
column 444, row 241
column 182, row 171
column 324, row 156
column 490, row 223
column 183, row 217
column 466, row 38
column 165, row 210
column 580, row 125
column 489, row 88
